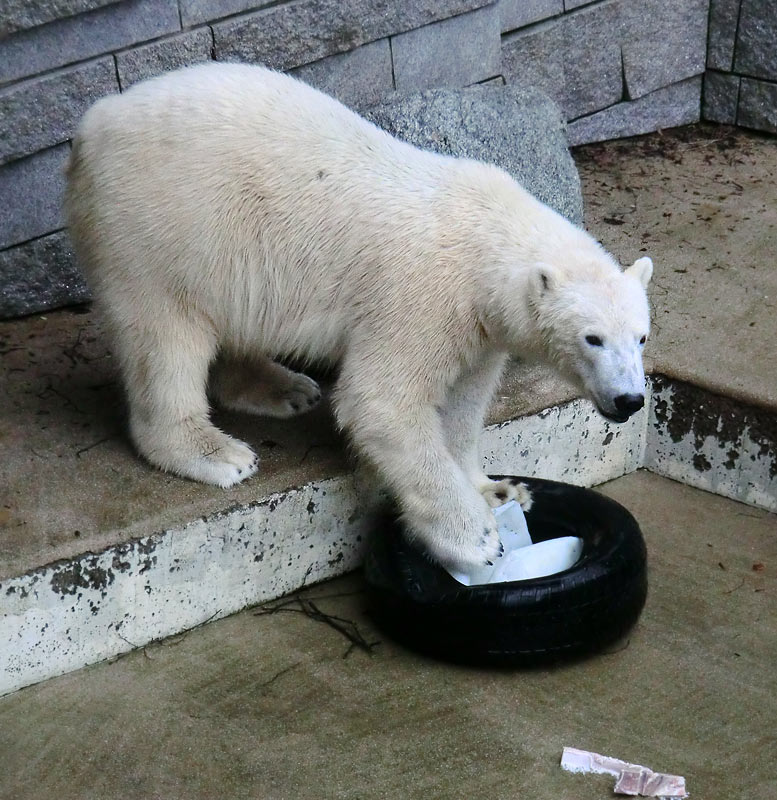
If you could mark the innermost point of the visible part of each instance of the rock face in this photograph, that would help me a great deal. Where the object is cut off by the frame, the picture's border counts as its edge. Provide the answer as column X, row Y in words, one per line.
column 518, row 129
column 756, row 54
column 671, row 106
column 286, row 35
column 43, row 112
column 38, row 275
column 758, row 105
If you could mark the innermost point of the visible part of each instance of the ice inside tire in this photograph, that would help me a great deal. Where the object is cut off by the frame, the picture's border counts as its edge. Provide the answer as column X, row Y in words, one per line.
column 522, row 558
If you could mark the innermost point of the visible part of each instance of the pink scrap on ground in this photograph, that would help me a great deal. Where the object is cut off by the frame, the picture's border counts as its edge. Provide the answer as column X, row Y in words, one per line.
column 631, row 779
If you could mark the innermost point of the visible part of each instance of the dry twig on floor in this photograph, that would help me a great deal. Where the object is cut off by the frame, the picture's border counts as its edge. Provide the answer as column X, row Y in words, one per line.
column 307, row 606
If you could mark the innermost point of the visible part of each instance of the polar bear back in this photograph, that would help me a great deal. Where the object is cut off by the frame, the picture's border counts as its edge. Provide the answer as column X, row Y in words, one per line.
column 248, row 194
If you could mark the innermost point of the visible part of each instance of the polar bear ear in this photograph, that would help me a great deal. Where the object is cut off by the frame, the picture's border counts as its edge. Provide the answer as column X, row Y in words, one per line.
column 642, row 270
column 544, row 279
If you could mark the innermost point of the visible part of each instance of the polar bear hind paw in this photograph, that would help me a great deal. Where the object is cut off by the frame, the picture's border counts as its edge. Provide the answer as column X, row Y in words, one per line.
column 265, row 389
column 301, row 395
column 196, row 450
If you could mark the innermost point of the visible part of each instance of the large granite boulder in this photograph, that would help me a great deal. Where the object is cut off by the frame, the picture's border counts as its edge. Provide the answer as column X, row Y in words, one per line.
column 519, row 129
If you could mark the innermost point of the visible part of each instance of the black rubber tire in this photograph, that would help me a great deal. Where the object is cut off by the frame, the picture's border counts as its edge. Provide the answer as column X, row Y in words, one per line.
column 560, row 616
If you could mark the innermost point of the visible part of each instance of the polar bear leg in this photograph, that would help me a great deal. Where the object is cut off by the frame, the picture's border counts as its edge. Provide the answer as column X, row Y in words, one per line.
column 404, row 438
column 465, row 409
column 165, row 369
column 259, row 385
column 463, row 415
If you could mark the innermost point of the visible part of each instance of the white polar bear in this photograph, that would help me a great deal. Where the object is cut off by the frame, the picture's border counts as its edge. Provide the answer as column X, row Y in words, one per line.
column 227, row 215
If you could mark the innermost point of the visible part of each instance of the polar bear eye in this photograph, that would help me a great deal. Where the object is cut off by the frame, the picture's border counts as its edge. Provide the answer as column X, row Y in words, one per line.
column 643, row 340
column 594, row 341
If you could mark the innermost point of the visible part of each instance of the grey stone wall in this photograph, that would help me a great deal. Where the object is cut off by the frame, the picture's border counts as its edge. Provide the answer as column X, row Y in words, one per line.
column 740, row 86
column 617, row 67
column 614, row 67
column 58, row 56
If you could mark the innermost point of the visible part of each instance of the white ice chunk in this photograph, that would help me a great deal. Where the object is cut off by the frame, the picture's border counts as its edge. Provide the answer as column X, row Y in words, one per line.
column 512, row 527
column 523, row 560
column 538, row 560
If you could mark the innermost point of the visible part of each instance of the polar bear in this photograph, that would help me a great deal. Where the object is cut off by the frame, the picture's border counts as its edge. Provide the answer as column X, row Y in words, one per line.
column 227, row 215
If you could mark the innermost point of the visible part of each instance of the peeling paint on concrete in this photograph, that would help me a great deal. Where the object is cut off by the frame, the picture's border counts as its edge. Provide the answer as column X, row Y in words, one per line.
column 570, row 442
column 71, row 614
column 86, row 573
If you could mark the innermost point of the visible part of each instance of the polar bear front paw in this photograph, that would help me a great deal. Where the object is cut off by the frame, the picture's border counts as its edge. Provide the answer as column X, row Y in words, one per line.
column 499, row 492
column 462, row 541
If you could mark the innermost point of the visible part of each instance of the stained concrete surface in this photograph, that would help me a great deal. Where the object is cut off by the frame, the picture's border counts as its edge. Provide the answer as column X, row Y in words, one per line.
column 699, row 200
column 70, row 481
column 274, row 706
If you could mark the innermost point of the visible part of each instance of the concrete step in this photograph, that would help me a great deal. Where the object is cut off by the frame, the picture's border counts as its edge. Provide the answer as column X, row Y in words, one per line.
column 99, row 552
column 277, row 706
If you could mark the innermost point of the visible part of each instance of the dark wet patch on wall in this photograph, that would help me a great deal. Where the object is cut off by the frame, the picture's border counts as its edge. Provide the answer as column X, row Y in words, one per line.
column 682, row 410
column 696, row 411
column 763, row 431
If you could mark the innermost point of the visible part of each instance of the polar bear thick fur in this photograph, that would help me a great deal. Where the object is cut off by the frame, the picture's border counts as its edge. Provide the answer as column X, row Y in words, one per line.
column 227, row 215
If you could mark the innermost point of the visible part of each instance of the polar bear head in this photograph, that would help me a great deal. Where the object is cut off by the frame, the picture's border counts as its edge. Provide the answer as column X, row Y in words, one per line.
column 592, row 325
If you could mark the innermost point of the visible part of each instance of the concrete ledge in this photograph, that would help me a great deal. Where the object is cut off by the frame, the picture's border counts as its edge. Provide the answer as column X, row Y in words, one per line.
column 96, row 605
column 86, row 609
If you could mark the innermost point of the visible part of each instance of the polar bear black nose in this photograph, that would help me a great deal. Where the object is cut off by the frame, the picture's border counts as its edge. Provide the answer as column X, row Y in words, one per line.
column 629, row 403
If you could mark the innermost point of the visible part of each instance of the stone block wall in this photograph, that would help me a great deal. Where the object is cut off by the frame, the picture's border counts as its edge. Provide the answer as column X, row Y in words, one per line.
column 740, row 85
column 58, row 56
column 615, row 68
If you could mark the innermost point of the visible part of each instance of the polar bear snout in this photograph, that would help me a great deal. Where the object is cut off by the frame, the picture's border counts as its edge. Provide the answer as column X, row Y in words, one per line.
column 613, row 378
column 629, row 404
column 621, row 407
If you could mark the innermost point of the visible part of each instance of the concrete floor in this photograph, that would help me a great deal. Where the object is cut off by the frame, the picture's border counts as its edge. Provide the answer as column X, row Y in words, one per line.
column 272, row 706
